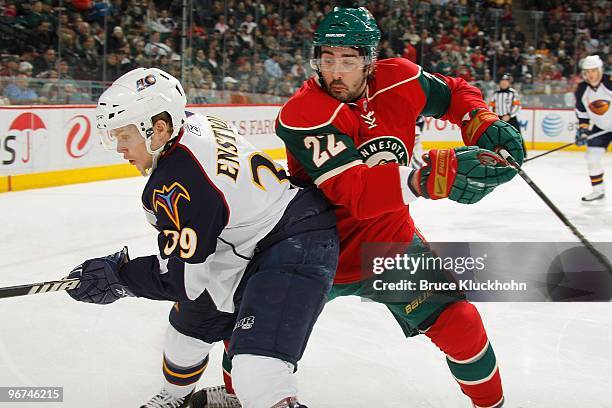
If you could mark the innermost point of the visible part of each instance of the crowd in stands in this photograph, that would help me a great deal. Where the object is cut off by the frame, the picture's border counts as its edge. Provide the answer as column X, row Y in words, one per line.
column 253, row 47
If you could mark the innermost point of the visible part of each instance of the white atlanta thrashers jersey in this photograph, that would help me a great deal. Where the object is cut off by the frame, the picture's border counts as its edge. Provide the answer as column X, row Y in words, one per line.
column 593, row 104
column 212, row 197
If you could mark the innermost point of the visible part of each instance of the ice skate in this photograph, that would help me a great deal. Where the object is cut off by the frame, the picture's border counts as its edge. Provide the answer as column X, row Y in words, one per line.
column 165, row 400
column 214, row 397
column 597, row 194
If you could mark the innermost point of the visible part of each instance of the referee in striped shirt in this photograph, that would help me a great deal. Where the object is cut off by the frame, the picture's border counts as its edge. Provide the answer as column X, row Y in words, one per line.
column 506, row 103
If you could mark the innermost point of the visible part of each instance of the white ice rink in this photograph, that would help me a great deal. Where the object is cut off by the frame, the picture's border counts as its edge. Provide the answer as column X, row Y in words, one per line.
column 551, row 355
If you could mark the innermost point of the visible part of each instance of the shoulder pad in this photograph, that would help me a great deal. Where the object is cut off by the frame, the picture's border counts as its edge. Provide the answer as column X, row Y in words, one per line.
column 581, row 88
column 309, row 108
column 392, row 72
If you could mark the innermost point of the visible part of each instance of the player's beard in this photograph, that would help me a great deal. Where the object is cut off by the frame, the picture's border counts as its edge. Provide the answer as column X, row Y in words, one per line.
column 344, row 93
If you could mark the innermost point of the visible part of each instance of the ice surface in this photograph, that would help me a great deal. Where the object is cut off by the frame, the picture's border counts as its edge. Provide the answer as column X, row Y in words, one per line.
column 550, row 354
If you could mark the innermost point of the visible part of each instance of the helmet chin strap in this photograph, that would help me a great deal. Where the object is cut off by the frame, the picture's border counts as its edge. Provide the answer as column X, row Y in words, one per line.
column 155, row 154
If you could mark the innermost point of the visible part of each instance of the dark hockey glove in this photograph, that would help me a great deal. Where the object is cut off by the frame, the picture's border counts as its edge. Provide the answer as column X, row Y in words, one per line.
column 581, row 134
column 483, row 128
column 100, row 282
column 465, row 174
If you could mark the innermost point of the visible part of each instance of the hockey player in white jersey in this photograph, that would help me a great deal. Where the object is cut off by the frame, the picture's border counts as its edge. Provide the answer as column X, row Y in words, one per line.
column 242, row 253
column 593, row 99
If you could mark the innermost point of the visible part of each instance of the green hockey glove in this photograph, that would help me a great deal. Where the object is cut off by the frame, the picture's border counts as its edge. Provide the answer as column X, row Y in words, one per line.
column 483, row 128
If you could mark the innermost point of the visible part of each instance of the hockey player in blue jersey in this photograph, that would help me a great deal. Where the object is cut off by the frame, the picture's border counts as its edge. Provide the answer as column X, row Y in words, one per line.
column 242, row 253
column 593, row 99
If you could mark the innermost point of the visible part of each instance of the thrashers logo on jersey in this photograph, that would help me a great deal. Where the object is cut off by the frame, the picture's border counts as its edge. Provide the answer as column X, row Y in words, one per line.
column 168, row 198
column 384, row 149
column 599, row 107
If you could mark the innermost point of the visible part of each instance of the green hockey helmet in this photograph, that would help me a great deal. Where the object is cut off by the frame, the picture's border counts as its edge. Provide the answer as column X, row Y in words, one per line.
column 348, row 27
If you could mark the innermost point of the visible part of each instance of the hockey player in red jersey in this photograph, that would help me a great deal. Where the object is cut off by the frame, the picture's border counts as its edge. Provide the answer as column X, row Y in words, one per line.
column 350, row 130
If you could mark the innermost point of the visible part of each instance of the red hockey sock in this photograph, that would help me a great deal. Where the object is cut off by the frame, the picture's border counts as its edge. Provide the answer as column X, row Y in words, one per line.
column 460, row 334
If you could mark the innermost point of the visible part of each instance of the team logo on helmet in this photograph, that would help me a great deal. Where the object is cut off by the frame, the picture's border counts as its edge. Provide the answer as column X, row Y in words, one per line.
column 145, row 82
column 168, row 198
column 384, row 149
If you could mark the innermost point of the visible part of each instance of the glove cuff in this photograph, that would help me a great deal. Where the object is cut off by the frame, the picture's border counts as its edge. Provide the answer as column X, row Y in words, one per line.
column 475, row 123
column 443, row 164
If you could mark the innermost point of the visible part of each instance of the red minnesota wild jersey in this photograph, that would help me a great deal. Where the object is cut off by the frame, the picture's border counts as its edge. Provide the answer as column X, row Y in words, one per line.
column 358, row 153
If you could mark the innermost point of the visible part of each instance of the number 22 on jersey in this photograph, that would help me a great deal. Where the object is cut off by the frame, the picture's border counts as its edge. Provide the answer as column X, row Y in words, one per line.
column 321, row 156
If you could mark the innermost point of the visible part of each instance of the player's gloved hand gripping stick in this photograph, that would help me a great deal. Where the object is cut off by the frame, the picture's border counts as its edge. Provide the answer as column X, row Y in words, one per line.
column 464, row 174
column 589, row 246
column 94, row 281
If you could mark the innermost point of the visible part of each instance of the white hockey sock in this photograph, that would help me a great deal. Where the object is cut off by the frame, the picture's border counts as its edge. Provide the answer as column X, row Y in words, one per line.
column 594, row 157
column 185, row 359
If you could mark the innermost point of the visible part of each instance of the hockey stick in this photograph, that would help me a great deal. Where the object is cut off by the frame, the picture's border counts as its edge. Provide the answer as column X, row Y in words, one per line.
column 42, row 287
column 598, row 255
column 584, row 139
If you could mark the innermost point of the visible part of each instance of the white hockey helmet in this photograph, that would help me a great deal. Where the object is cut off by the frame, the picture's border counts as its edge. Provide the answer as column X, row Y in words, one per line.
column 592, row 62
column 134, row 99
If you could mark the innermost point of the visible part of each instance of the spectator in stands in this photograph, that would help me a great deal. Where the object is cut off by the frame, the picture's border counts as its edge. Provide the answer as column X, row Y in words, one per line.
column 45, row 62
column 43, row 36
column 90, row 64
column 33, row 18
column 117, row 40
column 19, row 92
column 166, row 21
column 212, row 64
column 200, row 58
column 126, row 63
column 83, row 33
column 72, row 95
column 155, row 48
column 99, row 10
column 410, row 52
column 590, row 44
column 444, row 66
column 220, row 25
column 245, row 39
column 51, row 88
column 10, row 66
column 64, row 70
column 138, row 54
column 272, row 66
column 249, row 24
column 479, row 70
column 26, row 68
column 208, row 79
